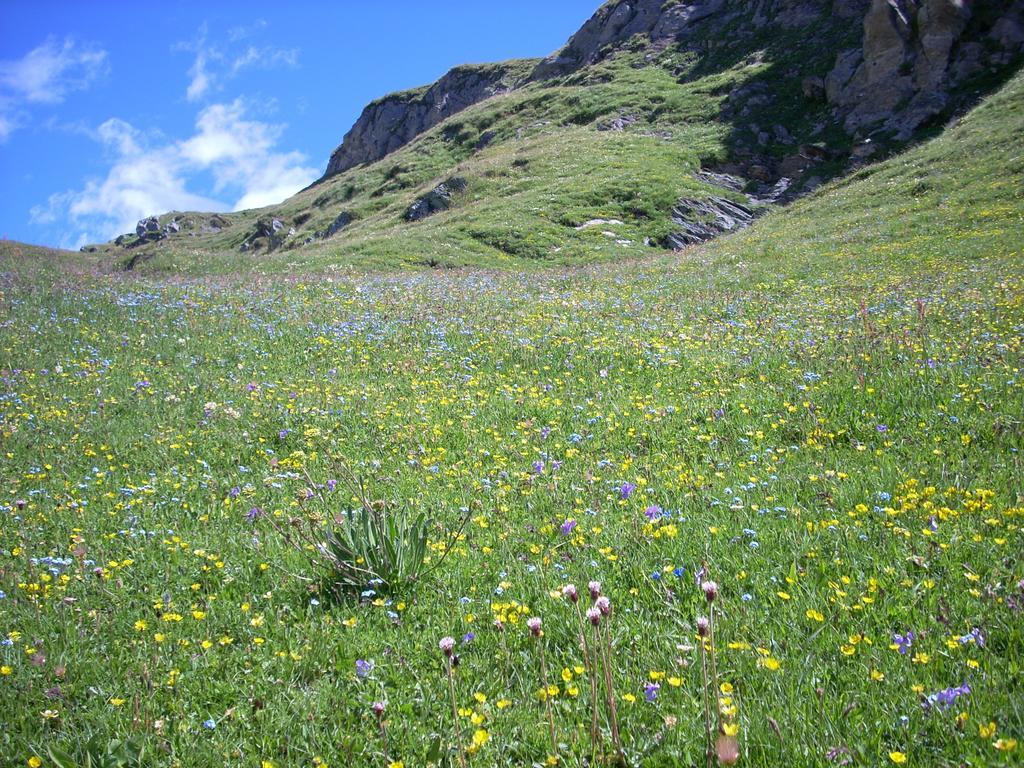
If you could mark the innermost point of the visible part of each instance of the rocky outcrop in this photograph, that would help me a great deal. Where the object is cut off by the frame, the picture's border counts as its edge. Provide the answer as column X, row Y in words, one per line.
column 436, row 200
column 269, row 234
column 703, row 220
column 913, row 54
column 395, row 120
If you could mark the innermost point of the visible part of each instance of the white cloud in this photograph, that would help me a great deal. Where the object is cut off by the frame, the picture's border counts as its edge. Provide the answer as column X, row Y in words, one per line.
column 214, row 65
column 240, row 154
column 45, row 75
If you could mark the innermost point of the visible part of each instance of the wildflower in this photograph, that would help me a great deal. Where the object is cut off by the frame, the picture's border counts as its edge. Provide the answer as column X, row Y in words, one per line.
column 1005, row 745
column 626, row 490
column 710, row 590
column 378, row 707
column 946, row 698
column 902, row 643
column 595, row 589
column 604, row 605
column 209, row 724
column 569, row 591
column 703, row 626
column 447, row 644
column 594, row 616
column 653, row 513
column 567, row 527
column 364, row 668
column 651, row 691
column 468, row 638
column 534, row 624
column 898, row 757
column 987, row 731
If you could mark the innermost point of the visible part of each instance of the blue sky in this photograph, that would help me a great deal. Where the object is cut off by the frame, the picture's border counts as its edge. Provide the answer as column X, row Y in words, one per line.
column 111, row 111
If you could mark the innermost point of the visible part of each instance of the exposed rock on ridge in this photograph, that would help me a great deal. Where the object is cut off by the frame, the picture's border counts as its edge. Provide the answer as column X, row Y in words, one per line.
column 395, row 120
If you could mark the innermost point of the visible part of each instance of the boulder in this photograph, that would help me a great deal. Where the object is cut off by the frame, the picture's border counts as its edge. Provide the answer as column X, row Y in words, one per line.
column 342, row 221
column 436, row 200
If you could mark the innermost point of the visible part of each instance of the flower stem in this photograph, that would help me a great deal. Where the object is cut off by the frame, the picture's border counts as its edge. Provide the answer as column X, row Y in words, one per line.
column 455, row 715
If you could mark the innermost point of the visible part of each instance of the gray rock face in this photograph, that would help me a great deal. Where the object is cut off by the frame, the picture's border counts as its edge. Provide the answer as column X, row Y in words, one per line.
column 436, row 200
column 394, row 121
column 912, row 55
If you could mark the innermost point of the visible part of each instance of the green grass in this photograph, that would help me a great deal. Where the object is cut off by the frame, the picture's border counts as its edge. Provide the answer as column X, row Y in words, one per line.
column 840, row 384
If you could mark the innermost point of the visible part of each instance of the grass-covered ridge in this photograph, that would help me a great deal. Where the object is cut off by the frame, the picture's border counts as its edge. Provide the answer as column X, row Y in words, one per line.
column 826, row 409
column 537, row 165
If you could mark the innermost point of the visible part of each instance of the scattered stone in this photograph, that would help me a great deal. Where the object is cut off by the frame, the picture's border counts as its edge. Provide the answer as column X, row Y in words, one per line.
column 618, row 124
column 598, row 223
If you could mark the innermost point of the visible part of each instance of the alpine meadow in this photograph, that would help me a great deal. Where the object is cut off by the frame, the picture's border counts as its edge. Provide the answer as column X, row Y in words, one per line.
column 657, row 403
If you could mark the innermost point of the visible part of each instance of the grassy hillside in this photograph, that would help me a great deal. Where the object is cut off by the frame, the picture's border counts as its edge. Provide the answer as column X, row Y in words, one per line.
column 822, row 414
column 544, row 167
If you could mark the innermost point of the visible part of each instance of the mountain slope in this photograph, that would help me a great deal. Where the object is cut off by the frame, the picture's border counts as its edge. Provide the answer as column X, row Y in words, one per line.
column 586, row 155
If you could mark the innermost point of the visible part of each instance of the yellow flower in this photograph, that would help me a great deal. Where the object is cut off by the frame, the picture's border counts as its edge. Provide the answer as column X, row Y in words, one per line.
column 117, row 702
column 140, row 625
column 987, row 731
column 898, row 757
column 502, row 703
column 396, row 764
column 34, row 762
column 1005, row 745
column 783, row 595
column 350, row 622
column 769, row 663
column 5, row 670
column 480, row 737
column 675, row 682
column 629, row 697
column 877, row 676
column 814, row 615
column 480, row 697
column 731, row 729
column 266, row 764
column 566, row 674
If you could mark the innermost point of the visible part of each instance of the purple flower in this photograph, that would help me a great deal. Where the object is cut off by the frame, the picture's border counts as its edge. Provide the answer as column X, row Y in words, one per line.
column 364, row 668
column 234, row 492
column 974, row 636
column 903, row 642
column 283, row 434
column 567, row 527
column 332, row 484
column 253, row 514
column 626, row 490
column 651, row 691
column 946, row 698
column 538, row 467
column 882, row 428
column 468, row 638
column 653, row 512
column 544, row 432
